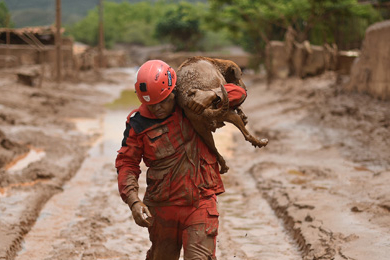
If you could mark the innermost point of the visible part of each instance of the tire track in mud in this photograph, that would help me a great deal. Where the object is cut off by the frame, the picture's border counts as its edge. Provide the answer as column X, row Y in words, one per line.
column 37, row 119
column 332, row 207
column 312, row 173
column 249, row 228
column 88, row 220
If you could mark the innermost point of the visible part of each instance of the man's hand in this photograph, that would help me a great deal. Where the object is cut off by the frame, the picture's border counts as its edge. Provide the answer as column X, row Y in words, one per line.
column 201, row 100
column 141, row 214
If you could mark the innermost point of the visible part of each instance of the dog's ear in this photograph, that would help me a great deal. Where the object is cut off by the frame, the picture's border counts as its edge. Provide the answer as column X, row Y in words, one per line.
column 233, row 74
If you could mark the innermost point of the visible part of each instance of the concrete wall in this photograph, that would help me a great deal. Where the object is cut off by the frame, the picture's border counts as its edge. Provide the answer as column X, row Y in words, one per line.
column 27, row 55
column 314, row 60
column 175, row 59
column 345, row 60
column 22, row 54
column 277, row 60
column 304, row 59
column 370, row 73
column 307, row 60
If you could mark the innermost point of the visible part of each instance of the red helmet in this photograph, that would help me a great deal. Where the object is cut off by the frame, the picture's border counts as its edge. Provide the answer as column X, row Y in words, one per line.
column 155, row 81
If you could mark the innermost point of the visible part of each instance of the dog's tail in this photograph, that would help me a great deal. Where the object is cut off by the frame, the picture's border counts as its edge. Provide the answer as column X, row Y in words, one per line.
column 222, row 106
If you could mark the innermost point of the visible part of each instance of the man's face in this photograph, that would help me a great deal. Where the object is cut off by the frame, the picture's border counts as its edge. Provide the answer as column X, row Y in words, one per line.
column 164, row 108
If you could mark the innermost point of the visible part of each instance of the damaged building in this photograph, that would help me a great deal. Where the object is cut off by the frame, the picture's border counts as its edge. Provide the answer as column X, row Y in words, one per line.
column 31, row 45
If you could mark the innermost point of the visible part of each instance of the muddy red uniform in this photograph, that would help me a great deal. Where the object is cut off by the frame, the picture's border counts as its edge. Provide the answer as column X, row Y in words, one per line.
column 183, row 180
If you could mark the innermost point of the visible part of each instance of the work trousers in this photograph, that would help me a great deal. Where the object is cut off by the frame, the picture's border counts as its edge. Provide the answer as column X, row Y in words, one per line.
column 193, row 228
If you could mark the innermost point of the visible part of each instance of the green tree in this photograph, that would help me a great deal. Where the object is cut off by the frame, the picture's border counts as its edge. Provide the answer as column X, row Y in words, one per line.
column 254, row 23
column 249, row 23
column 5, row 16
column 86, row 30
column 150, row 23
column 342, row 22
column 180, row 25
column 123, row 22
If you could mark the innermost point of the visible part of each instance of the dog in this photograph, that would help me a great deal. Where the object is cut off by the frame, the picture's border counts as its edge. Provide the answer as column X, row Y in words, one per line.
column 205, row 73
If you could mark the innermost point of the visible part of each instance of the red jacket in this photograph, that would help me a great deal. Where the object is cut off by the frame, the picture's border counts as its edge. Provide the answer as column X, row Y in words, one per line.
column 181, row 168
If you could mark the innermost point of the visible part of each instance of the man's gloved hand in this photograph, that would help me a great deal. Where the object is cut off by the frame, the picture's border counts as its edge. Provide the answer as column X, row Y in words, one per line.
column 201, row 100
column 141, row 214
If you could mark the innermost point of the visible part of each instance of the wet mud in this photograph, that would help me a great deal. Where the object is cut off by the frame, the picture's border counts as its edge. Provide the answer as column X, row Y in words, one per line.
column 325, row 172
column 319, row 190
column 41, row 149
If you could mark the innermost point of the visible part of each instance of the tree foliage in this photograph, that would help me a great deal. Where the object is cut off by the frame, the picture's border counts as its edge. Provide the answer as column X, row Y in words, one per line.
column 5, row 17
column 145, row 23
column 249, row 23
column 123, row 22
column 254, row 23
column 180, row 25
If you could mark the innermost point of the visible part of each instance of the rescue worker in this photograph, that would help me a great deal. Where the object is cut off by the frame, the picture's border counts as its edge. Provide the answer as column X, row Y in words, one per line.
column 180, row 204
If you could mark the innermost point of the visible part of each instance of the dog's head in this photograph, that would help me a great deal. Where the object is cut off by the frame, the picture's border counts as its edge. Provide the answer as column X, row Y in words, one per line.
column 231, row 72
column 229, row 69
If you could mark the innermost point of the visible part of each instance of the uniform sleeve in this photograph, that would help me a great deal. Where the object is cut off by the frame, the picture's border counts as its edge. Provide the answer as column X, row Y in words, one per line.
column 128, row 166
column 236, row 94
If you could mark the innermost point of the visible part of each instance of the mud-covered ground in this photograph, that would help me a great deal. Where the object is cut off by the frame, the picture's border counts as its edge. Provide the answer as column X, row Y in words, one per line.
column 319, row 190
column 326, row 170
column 40, row 147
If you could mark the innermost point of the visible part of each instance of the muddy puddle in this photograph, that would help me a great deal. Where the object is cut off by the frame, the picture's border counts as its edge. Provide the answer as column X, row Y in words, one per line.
column 15, row 168
column 24, row 160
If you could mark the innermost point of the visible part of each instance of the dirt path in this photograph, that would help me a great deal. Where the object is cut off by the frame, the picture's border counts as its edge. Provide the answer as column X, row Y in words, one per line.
column 40, row 149
column 249, row 228
column 326, row 169
column 89, row 221
column 319, row 190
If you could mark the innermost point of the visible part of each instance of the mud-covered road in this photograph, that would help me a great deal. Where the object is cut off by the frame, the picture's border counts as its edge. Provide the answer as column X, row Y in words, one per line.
column 319, row 190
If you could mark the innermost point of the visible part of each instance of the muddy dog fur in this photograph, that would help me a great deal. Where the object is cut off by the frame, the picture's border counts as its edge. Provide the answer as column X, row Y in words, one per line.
column 205, row 73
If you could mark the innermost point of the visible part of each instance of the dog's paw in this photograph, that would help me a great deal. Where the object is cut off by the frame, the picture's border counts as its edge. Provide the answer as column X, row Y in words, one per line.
column 264, row 142
column 224, row 169
column 259, row 143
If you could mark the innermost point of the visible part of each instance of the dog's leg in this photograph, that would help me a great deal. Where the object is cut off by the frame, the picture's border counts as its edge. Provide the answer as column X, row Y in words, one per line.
column 242, row 115
column 236, row 120
column 209, row 141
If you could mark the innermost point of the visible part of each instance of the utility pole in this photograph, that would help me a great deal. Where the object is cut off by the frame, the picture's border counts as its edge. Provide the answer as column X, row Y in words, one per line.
column 101, row 34
column 8, row 39
column 58, row 41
